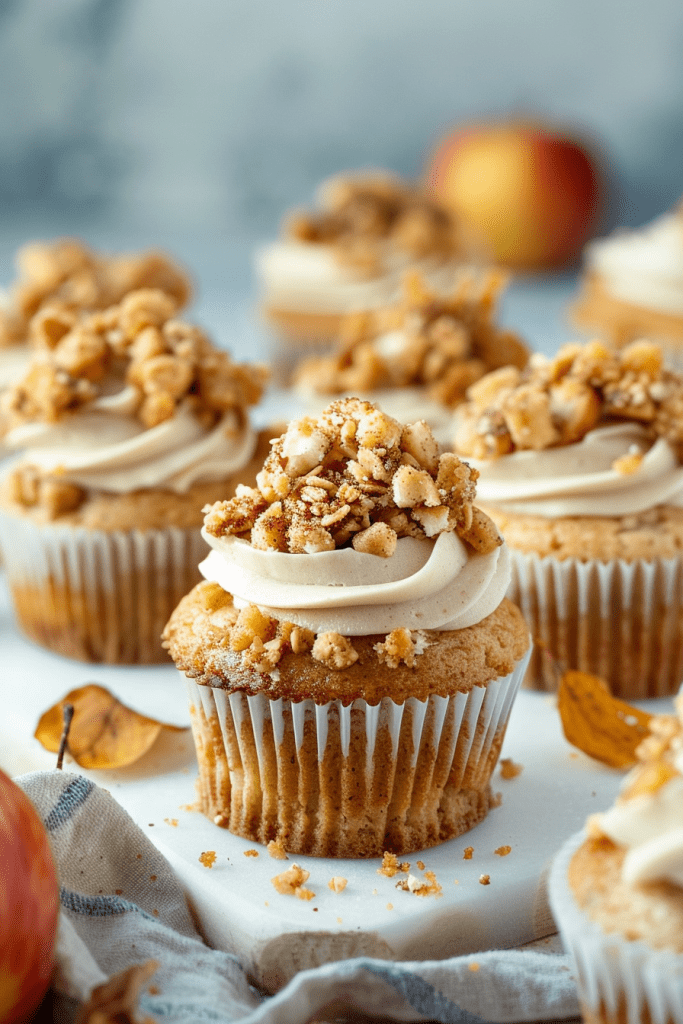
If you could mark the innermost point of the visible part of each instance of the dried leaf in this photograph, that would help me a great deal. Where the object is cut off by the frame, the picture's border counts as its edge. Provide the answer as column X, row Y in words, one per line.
column 597, row 723
column 104, row 732
column 116, row 1001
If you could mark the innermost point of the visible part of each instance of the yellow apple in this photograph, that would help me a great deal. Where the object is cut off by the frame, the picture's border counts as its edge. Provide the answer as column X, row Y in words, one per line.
column 531, row 193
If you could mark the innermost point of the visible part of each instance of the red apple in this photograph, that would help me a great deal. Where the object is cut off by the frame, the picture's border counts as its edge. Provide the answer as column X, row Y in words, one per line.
column 29, row 904
column 531, row 193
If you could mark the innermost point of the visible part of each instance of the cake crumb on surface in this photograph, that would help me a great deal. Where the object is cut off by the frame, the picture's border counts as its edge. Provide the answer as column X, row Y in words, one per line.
column 421, row 865
column 391, row 866
column 428, row 887
column 337, row 883
column 208, row 858
column 390, row 906
column 467, row 853
column 496, row 799
column 485, row 879
column 503, row 851
column 276, row 849
column 474, row 967
column 509, row 769
column 251, row 853
column 171, row 821
column 291, row 883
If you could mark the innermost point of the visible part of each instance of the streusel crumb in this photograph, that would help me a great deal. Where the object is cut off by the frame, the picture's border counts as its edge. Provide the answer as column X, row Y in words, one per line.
column 558, row 401
column 291, row 883
column 391, row 866
column 441, row 343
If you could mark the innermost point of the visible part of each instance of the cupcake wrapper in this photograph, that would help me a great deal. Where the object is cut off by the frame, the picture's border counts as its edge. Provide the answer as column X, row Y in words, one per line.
column 622, row 621
column 619, row 981
column 354, row 780
column 94, row 595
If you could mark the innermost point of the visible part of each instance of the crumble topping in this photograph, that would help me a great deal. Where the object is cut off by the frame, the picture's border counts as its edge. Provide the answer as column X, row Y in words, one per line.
column 363, row 215
column 441, row 343
column 291, row 883
column 354, row 476
column 208, row 858
column 391, row 866
column 57, row 279
column 558, row 401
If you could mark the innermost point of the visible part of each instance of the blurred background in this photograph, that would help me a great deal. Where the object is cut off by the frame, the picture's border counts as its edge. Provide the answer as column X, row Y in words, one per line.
column 197, row 125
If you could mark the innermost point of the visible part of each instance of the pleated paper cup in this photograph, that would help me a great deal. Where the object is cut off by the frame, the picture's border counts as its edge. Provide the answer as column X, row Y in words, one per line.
column 622, row 621
column 336, row 780
column 96, row 595
column 620, row 981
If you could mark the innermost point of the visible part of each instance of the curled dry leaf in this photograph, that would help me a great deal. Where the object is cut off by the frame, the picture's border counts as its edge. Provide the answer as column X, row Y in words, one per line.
column 597, row 723
column 104, row 732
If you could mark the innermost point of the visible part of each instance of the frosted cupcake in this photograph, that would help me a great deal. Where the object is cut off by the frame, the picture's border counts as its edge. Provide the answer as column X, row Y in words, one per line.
column 129, row 421
column 417, row 357
column 66, row 275
column 633, row 286
column 351, row 658
column 616, row 892
column 580, row 468
column 351, row 254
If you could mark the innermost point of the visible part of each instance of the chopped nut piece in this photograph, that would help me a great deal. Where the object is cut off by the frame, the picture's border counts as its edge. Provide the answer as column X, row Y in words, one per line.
column 397, row 647
column 379, row 539
column 485, row 879
column 334, row 650
column 467, row 853
column 337, row 883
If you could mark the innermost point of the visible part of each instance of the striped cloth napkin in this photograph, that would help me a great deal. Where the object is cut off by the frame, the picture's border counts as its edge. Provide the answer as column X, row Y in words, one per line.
column 122, row 906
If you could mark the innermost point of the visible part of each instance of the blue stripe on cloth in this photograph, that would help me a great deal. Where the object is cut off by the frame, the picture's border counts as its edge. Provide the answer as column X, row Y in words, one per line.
column 422, row 996
column 181, row 1011
column 75, row 794
column 99, row 906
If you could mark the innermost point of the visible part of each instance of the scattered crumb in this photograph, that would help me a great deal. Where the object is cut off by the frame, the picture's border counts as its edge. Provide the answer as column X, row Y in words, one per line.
column 265, row 903
column 496, row 799
column 150, row 825
column 456, row 882
column 390, row 906
column 337, row 883
column 508, row 768
column 474, row 967
column 189, row 807
column 503, row 851
column 485, row 879
column 290, row 883
column 276, row 849
column 428, row 887
column 251, row 853
column 374, row 892
column 573, row 755
column 208, row 858
column 152, row 878
column 467, row 855
column 315, row 910
column 171, row 821
column 421, row 865
column 156, row 913
column 390, row 865
column 340, row 920
column 138, row 856
column 119, row 892
column 153, row 990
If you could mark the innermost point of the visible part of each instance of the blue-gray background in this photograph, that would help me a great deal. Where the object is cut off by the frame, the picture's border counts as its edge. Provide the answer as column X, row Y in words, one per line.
column 196, row 124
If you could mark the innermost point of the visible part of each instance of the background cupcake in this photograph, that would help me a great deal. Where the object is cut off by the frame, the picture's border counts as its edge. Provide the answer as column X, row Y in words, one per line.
column 617, row 892
column 129, row 421
column 580, row 467
column 351, row 658
column 417, row 357
column 350, row 256
column 633, row 285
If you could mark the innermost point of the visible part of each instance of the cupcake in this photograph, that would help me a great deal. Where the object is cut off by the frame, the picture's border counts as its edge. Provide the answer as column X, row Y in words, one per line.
column 579, row 461
column 66, row 275
column 129, row 421
column 350, row 657
column 616, row 892
column 350, row 256
column 633, row 286
column 417, row 357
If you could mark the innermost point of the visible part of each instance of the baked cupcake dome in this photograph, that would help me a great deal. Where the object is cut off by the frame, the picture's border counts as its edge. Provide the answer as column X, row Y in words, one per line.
column 129, row 420
column 580, row 468
column 310, row 729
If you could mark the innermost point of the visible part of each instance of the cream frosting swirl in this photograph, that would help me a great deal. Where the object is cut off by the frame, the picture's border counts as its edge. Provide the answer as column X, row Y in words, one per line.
column 426, row 584
column 644, row 266
column 307, row 277
column 105, row 447
column 580, row 479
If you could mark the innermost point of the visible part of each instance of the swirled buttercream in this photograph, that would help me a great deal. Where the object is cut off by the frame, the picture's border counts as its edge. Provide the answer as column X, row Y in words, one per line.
column 105, row 447
column 425, row 584
column 307, row 277
column 580, row 479
column 644, row 266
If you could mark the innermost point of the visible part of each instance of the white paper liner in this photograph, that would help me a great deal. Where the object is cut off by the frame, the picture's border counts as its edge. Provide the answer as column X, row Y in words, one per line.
column 98, row 595
column 622, row 621
column 462, row 734
column 613, row 973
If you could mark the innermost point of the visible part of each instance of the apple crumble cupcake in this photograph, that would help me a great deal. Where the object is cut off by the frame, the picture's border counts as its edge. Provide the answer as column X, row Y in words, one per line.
column 633, row 286
column 351, row 658
column 616, row 891
column 417, row 357
column 580, row 468
column 350, row 256
column 129, row 420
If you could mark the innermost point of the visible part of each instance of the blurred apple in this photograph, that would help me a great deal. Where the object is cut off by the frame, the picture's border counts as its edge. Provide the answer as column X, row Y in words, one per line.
column 29, row 904
column 531, row 193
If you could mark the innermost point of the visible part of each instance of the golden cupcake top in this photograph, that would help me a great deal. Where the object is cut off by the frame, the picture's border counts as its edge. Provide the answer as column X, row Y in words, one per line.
column 354, row 477
column 69, row 276
column 362, row 214
column 440, row 342
column 558, row 402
